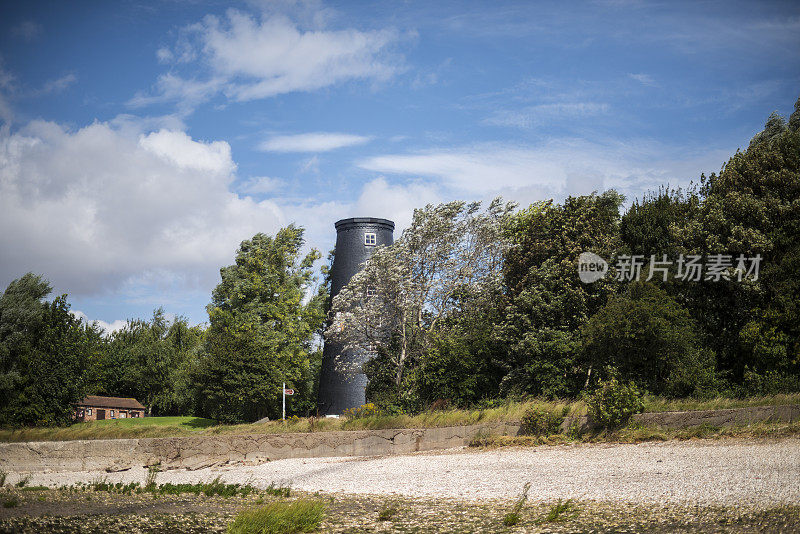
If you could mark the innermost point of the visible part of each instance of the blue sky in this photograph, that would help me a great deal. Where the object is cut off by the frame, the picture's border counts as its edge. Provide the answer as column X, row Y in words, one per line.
column 140, row 143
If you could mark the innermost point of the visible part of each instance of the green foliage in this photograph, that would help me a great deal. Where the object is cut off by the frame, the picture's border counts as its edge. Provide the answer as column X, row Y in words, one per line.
column 302, row 515
column 751, row 208
column 45, row 352
column 655, row 224
column 560, row 511
column 261, row 331
column 278, row 490
column 11, row 501
column 546, row 302
column 434, row 283
column 539, row 421
column 151, row 361
column 650, row 339
column 388, row 511
column 152, row 473
column 614, row 402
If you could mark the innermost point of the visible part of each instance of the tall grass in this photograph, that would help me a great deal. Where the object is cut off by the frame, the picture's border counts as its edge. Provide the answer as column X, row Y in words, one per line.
column 303, row 515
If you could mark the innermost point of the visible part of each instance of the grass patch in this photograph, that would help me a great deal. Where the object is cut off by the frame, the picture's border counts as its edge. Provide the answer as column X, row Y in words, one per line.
column 515, row 515
column 303, row 515
column 34, row 488
column 136, row 427
column 560, row 511
column 660, row 404
column 21, row 483
column 388, row 511
column 278, row 490
column 213, row 488
column 12, row 501
column 638, row 434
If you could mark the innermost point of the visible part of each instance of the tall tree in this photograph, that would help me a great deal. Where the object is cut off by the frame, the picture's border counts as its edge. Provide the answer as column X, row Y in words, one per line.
column 546, row 302
column 409, row 294
column 45, row 352
column 650, row 339
column 751, row 208
column 263, row 317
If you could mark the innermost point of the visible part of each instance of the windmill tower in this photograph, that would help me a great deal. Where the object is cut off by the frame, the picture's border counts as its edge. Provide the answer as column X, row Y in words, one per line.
column 356, row 238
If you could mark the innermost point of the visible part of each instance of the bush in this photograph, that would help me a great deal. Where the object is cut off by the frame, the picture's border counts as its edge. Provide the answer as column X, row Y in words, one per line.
column 540, row 422
column 614, row 402
column 365, row 410
column 303, row 515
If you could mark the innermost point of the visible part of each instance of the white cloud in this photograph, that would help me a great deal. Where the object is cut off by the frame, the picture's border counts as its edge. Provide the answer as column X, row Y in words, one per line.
column 644, row 79
column 187, row 93
column 108, row 328
column 544, row 114
column 312, row 142
column 311, row 165
column 59, row 84
column 251, row 58
column 260, row 185
column 551, row 170
column 95, row 208
column 377, row 198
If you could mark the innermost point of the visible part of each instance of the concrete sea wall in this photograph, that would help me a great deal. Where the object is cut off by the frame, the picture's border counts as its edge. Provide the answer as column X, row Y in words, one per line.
column 195, row 452
column 208, row 450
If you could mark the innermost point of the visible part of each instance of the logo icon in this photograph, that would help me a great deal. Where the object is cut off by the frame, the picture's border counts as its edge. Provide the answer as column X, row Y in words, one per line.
column 591, row 267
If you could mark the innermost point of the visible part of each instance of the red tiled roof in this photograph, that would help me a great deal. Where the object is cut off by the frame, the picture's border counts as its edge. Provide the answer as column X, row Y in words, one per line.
column 111, row 402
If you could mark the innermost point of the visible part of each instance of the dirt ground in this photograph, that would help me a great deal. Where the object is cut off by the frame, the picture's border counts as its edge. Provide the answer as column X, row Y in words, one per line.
column 89, row 511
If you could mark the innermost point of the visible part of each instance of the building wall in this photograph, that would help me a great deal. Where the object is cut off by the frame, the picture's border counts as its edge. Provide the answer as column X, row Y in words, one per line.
column 89, row 413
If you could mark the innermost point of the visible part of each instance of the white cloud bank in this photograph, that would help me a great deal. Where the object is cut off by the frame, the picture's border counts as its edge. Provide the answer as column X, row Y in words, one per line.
column 551, row 170
column 312, row 142
column 249, row 58
column 95, row 208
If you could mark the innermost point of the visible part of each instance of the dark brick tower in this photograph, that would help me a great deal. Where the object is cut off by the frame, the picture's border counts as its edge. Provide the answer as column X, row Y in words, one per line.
column 356, row 238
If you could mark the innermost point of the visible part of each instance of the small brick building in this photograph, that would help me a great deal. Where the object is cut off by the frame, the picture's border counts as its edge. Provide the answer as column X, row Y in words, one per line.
column 94, row 408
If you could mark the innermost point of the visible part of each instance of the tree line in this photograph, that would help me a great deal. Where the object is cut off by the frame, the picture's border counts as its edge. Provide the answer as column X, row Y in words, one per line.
column 469, row 306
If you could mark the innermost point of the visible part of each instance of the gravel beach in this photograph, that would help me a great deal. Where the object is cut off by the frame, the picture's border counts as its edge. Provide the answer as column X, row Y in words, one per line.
column 756, row 473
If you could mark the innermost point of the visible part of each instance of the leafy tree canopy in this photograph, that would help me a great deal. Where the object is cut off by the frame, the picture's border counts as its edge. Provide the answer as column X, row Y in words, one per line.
column 261, row 329
column 45, row 352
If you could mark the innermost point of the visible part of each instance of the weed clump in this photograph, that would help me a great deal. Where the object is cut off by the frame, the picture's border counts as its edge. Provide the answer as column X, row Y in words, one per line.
column 152, row 473
column 513, row 517
column 11, row 501
column 303, row 515
column 278, row 491
column 388, row 511
column 560, row 511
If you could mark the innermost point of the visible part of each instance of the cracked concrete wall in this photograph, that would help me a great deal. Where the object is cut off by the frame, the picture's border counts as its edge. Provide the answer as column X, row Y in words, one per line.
column 195, row 452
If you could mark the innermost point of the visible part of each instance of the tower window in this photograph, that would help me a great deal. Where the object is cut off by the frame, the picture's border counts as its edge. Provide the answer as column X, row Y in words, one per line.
column 370, row 239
